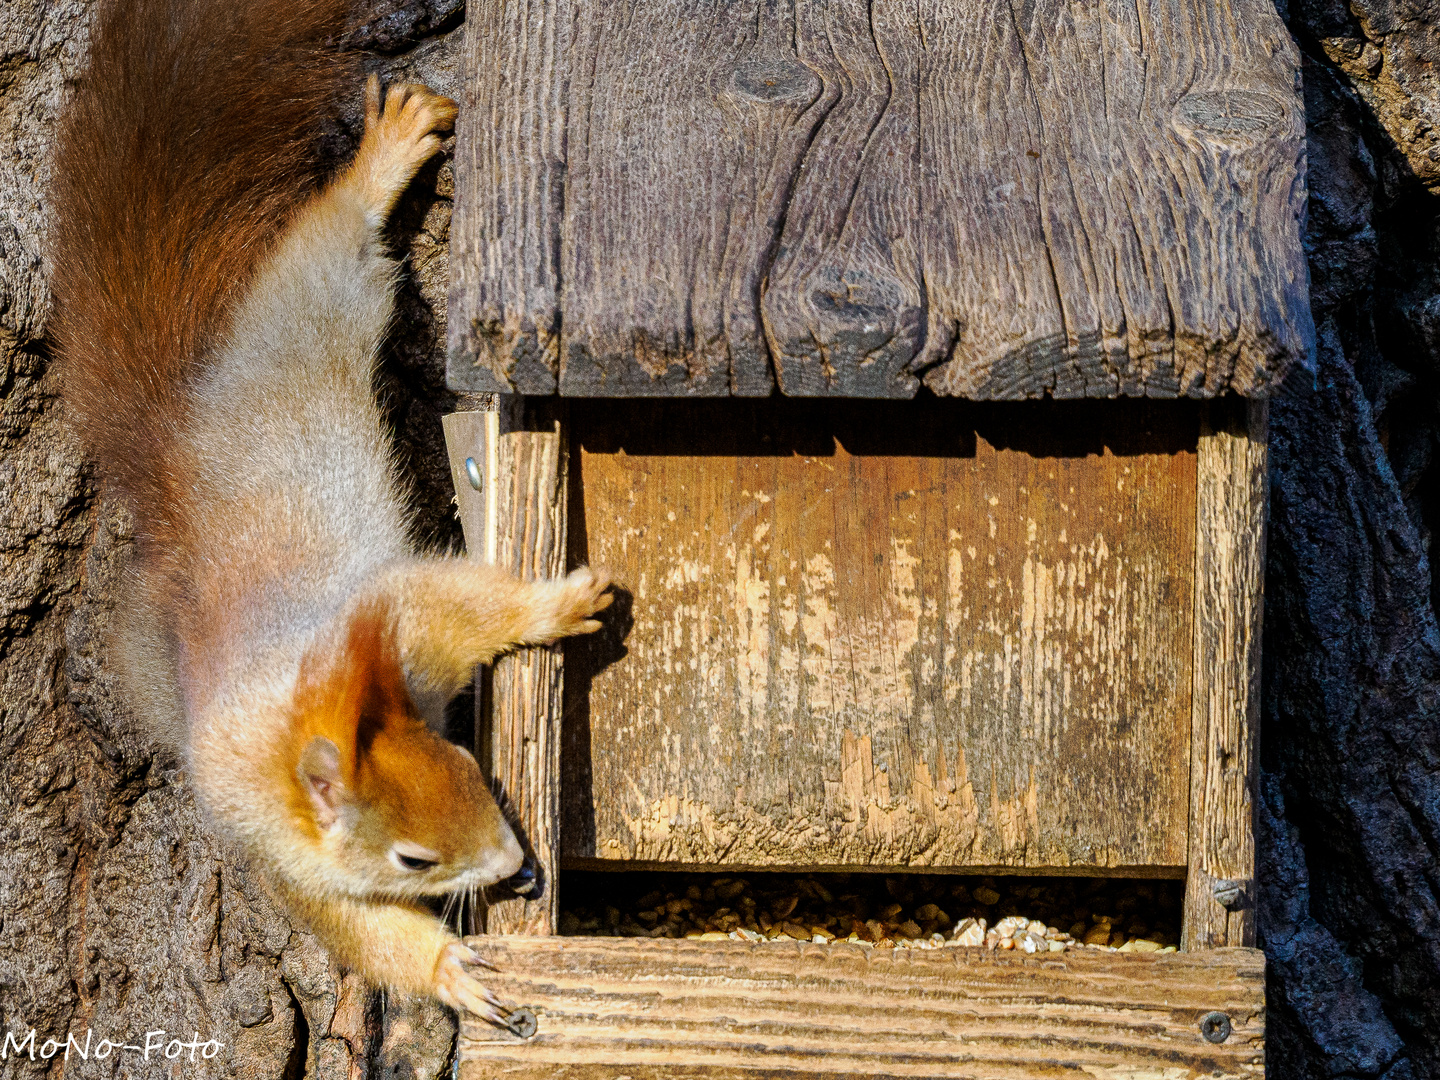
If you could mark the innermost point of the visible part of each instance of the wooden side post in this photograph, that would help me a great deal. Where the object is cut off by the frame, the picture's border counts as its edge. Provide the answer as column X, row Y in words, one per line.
column 516, row 519
column 1229, row 594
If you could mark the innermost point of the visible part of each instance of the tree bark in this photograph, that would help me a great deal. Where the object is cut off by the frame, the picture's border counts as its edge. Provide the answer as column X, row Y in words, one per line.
column 1349, row 814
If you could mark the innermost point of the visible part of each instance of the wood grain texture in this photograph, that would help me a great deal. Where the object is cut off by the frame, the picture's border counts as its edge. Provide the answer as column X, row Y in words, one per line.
column 672, row 1009
column 911, row 634
column 683, row 198
column 503, row 316
column 517, row 521
column 1229, row 601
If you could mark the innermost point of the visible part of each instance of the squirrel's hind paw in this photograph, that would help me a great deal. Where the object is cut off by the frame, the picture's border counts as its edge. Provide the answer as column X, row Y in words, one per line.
column 403, row 130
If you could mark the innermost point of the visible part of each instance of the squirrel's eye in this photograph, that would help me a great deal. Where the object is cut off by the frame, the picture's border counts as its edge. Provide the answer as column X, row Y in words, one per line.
column 409, row 856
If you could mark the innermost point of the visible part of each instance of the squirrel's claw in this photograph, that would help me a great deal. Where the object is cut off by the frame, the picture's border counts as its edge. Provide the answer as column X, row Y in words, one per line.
column 476, row 960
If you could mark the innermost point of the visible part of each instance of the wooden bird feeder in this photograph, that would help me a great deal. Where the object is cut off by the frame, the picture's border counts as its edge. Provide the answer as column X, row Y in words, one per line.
column 885, row 610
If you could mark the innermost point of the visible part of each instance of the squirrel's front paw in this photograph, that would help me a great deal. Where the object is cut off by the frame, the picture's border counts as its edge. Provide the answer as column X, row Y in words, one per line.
column 570, row 604
column 401, row 134
column 458, row 988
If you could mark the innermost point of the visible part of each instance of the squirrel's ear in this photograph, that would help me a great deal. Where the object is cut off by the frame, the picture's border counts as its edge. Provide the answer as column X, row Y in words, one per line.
column 319, row 772
column 376, row 692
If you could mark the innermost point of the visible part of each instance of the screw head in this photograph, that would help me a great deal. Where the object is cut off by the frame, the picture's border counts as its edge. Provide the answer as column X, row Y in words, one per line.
column 1228, row 894
column 1215, row 1027
column 472, row 473
column 522, row 1022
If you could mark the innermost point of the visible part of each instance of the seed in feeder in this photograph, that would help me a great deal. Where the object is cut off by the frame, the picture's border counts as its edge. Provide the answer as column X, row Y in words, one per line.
column 910, row 929
column 1006, row 943
column 1098, row 935
column 890, row 912
column 970, row 932
column 781, row 908
column 729, row 890
column 930, row 913
column 986, row 895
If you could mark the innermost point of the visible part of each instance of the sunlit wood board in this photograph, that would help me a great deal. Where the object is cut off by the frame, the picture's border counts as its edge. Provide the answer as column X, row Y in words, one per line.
column 681, row 1010
column 925, row 634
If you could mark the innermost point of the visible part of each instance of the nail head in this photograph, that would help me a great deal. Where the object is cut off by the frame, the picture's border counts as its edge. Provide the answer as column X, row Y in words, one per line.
column 472, row 472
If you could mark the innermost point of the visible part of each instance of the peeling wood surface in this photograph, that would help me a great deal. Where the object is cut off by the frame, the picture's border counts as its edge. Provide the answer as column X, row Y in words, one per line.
column 672, row 1009
column 1230, row 569
column 926, row 634
column 672, row 198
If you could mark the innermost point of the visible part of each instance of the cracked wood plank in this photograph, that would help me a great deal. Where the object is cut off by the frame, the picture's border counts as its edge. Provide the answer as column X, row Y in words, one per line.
column 681, row 198
column 665, row 1010
column 516, row 519
column 930, row 634
column 1232, row 487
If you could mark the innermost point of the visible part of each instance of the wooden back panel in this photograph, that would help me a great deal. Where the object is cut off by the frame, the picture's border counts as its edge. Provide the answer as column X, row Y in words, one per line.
column 663, row 197
column 933, row 634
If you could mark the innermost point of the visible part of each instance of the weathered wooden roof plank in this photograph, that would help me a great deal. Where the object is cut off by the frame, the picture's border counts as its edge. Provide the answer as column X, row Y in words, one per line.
column 999, row 200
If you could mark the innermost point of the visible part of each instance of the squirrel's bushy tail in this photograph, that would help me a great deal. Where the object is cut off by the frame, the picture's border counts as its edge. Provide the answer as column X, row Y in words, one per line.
column 188, row 144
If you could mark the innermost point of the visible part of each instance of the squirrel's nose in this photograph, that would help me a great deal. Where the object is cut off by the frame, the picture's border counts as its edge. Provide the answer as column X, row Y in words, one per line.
column 523, row 881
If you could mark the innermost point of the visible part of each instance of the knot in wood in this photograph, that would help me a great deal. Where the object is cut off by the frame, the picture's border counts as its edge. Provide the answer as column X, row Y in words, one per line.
column 777, row 81
column 1233, row 118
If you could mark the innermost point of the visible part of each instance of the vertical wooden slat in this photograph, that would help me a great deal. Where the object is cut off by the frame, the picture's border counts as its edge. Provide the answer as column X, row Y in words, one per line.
column 517, row 521
column 1229, row 594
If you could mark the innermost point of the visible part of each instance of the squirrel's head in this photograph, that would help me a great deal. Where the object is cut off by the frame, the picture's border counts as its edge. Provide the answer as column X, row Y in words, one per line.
column 394, row 808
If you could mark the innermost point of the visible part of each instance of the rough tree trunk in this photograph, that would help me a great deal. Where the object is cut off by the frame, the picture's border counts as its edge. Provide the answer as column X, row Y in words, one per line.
column 120, row 913
column 1350, row 816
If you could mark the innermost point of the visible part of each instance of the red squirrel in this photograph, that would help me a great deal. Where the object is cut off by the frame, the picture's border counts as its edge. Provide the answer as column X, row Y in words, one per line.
column 218, row 314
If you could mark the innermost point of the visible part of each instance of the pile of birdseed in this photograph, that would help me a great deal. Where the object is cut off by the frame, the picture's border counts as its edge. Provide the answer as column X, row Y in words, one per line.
column 913, row 911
